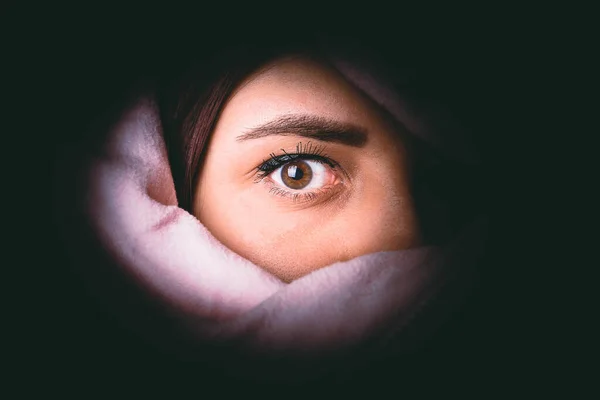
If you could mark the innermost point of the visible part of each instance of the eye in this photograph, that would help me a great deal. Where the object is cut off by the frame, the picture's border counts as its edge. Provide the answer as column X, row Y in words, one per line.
column 303, row 174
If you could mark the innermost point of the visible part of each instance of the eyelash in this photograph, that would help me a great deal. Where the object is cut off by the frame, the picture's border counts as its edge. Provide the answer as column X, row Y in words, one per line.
column 303, row 152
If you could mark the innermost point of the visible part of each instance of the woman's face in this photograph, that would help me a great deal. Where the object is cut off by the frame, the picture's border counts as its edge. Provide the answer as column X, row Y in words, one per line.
column 303, row 171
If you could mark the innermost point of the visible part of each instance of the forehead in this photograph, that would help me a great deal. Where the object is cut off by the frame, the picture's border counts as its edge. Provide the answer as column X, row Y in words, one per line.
column 295, row 84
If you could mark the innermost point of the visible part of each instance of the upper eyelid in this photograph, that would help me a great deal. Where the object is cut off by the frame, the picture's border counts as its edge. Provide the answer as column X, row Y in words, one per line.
column 314, row 157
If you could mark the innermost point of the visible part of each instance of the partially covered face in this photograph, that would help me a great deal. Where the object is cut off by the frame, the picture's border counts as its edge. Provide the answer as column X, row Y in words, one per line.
column 302, row 171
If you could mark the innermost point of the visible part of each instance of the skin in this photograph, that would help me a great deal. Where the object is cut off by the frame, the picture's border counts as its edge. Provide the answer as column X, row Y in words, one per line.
column 364, row 205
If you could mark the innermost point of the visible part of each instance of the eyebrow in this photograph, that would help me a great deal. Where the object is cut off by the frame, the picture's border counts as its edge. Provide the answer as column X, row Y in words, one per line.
column 311, row 126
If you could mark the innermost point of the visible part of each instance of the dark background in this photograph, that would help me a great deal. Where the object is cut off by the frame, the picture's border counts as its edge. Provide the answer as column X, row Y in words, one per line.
column 68, row 71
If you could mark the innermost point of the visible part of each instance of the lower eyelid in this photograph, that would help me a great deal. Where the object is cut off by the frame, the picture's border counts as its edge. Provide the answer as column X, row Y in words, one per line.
column 313, row 197
column 294, row 195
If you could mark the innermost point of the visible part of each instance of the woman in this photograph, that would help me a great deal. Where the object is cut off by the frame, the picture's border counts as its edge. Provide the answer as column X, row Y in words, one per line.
column 284, row 204
column 298, row 160
column 291, row 118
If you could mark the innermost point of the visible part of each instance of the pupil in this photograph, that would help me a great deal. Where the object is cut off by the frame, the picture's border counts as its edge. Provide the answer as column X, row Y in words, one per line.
column 295, row 173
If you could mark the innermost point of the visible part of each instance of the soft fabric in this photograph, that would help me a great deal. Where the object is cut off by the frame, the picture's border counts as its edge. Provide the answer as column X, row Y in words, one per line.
column 218, row 296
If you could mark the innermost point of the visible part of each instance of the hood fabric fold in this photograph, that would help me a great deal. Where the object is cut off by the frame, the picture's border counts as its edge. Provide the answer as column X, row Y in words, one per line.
column 340, row 316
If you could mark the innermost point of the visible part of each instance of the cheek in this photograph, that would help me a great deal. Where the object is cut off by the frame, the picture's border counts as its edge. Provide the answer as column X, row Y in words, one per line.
column 288, row 244
column 294, row 243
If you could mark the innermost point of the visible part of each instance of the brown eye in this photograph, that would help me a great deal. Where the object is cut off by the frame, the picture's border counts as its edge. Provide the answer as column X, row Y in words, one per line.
column 296, row 175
